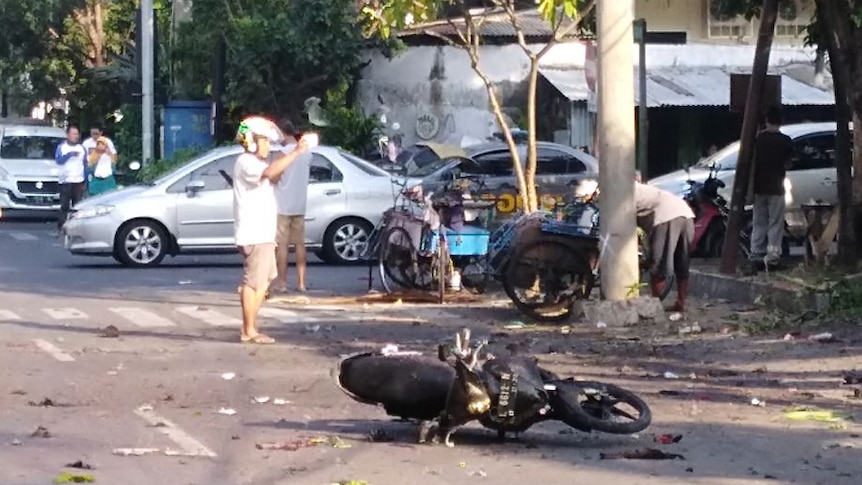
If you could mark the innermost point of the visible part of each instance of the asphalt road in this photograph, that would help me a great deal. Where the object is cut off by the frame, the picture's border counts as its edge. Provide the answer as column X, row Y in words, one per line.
column 178, row 388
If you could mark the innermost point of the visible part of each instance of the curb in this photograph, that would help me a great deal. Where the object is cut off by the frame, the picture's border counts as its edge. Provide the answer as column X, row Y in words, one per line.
column 741, row 290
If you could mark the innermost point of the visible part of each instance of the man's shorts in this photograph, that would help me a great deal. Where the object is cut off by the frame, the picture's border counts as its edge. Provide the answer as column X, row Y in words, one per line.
column 258, row 265
column 291, row 230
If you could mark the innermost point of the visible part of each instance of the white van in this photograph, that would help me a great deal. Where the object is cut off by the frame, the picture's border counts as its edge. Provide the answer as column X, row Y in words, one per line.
column 28, row 173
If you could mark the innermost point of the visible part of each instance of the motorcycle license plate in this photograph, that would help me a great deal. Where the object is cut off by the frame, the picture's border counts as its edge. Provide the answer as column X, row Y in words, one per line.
column 508, row 395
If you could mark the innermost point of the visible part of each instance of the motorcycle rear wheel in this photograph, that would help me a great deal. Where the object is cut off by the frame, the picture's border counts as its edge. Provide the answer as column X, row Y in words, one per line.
column 578, row 406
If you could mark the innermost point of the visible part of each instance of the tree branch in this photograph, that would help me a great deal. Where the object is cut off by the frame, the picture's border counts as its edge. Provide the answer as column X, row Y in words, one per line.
column 559, row 35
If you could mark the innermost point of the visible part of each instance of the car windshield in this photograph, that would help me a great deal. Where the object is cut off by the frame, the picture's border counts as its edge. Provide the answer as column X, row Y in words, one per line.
column 182, row 167
column 725, row 158
column 431, row 168
column 29, row 147
column 366, row 167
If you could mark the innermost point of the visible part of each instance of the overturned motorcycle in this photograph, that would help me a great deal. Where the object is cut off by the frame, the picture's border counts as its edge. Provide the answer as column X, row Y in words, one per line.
column 507, row 394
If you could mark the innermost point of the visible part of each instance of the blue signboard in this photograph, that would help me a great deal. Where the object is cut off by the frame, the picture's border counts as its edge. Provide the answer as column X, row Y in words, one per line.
column 186, row 124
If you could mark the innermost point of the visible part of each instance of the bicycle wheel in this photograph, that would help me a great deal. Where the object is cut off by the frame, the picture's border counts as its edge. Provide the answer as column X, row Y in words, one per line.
column 545, row 278
column 597, row 406
column 398, row 261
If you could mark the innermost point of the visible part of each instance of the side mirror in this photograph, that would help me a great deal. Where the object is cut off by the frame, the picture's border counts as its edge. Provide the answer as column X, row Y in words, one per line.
column 135, row 166
column 194, row 187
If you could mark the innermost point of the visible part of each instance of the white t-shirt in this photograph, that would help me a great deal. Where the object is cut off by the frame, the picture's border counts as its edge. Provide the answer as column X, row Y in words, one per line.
column 659, row 206
column 255, row 210
column 104, row 167
column 291, row 192
column 72, row 170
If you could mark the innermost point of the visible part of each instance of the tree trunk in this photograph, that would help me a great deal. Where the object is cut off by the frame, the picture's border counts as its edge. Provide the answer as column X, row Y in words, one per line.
column 843, row 157
column 532, row 153
column 510, row 141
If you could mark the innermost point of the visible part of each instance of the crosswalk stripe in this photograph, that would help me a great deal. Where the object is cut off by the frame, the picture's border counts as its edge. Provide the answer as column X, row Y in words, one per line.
column 53, row 350
column 65, row 313
column 8, row 315
column 290, row 316
column 211, row 317
column 23, row 236
column 142, row 318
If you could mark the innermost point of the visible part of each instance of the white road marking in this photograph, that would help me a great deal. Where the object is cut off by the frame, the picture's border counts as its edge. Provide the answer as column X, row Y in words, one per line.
column 189, row 445
column 23, row 236
column 7, row 315
column 65, row 313
column 53, row 350
column 142, row 318
column 290, row 316
column 210, row 317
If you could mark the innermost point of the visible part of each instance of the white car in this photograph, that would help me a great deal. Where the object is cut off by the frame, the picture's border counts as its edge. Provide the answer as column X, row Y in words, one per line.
column 28, row 173
column 190, row 210
column 812, row 176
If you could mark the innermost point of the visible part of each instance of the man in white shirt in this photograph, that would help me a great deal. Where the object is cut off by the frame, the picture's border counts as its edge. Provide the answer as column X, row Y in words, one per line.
column 291, row 194
column 256, row 216
column 669, row 221
column 71, row 158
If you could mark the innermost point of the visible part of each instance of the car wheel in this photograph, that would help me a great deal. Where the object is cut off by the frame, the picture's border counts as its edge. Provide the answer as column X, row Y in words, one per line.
column 141, row 244
column 345, row 240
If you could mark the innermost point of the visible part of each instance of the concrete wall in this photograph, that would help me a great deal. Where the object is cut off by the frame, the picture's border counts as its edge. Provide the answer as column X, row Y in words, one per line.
column 428, row 83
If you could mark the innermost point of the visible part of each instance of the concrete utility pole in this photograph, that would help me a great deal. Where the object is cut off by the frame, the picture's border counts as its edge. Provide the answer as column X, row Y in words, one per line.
column 753, row 110
column 147, row 80
column 616, row 126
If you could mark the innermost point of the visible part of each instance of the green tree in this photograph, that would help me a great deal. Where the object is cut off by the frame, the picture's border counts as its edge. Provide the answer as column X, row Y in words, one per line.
column 836, row 28
column 566, row 17
column 278, row 54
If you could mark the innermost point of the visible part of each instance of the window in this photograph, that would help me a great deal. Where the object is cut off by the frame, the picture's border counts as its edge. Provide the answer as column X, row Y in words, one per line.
column 321, row 170
column 722, row 24
column 793, row 18
column 364, row 166
column 556, row 162
column 211, row 175
column 29, row 147
column 494, row 164
column 814, row 152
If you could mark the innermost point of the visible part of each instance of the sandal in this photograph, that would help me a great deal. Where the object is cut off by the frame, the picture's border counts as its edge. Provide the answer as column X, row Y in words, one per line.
column 259, row 339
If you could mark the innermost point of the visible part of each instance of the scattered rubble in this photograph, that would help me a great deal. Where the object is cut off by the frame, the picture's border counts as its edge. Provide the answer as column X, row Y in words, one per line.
column 641, row 454
column 40, row 432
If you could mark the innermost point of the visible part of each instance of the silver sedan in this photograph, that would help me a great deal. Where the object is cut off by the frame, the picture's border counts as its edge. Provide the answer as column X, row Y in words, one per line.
column 190, row 210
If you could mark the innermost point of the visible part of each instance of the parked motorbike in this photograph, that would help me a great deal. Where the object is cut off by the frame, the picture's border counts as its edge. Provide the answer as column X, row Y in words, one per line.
column 710, row 215
column 506, row 394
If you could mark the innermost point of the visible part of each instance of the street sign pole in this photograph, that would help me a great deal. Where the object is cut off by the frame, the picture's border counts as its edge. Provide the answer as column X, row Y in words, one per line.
column 640, row 29
column 147, row 80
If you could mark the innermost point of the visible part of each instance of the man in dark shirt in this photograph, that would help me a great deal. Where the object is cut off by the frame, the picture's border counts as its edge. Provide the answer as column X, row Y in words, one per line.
column 773, row 152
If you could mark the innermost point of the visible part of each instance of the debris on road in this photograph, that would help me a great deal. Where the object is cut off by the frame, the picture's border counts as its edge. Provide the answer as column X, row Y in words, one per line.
column 16, row 442
column 824, row 337
column 19, row 392
column 228, row 376
column 41, row 432
column 379, row 436
column 73, row 478
column 721, row 373
column 757, row 402
column 666, row 392
column 145, row 407
column 565, row 330
column 675, row 317
column 350, row 482
column 109, row 332
column 516, row 325
column 641, row 454
column 692, row 329
column 134, row 451
column 333, row 441
column 280, row 402
column 312, row 328
column 601, row 325
column 227, row 411
column 285, row 446
column 45, row 403
column 667, row 439
column 261, row 399
column 852, row 377
column 479, row 473
column 819, row 415
column 670, row 375
column 80, row 465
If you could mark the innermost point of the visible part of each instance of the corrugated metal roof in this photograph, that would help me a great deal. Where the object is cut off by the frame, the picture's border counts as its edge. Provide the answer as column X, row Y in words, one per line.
column 494, row 24
column 707, row 86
